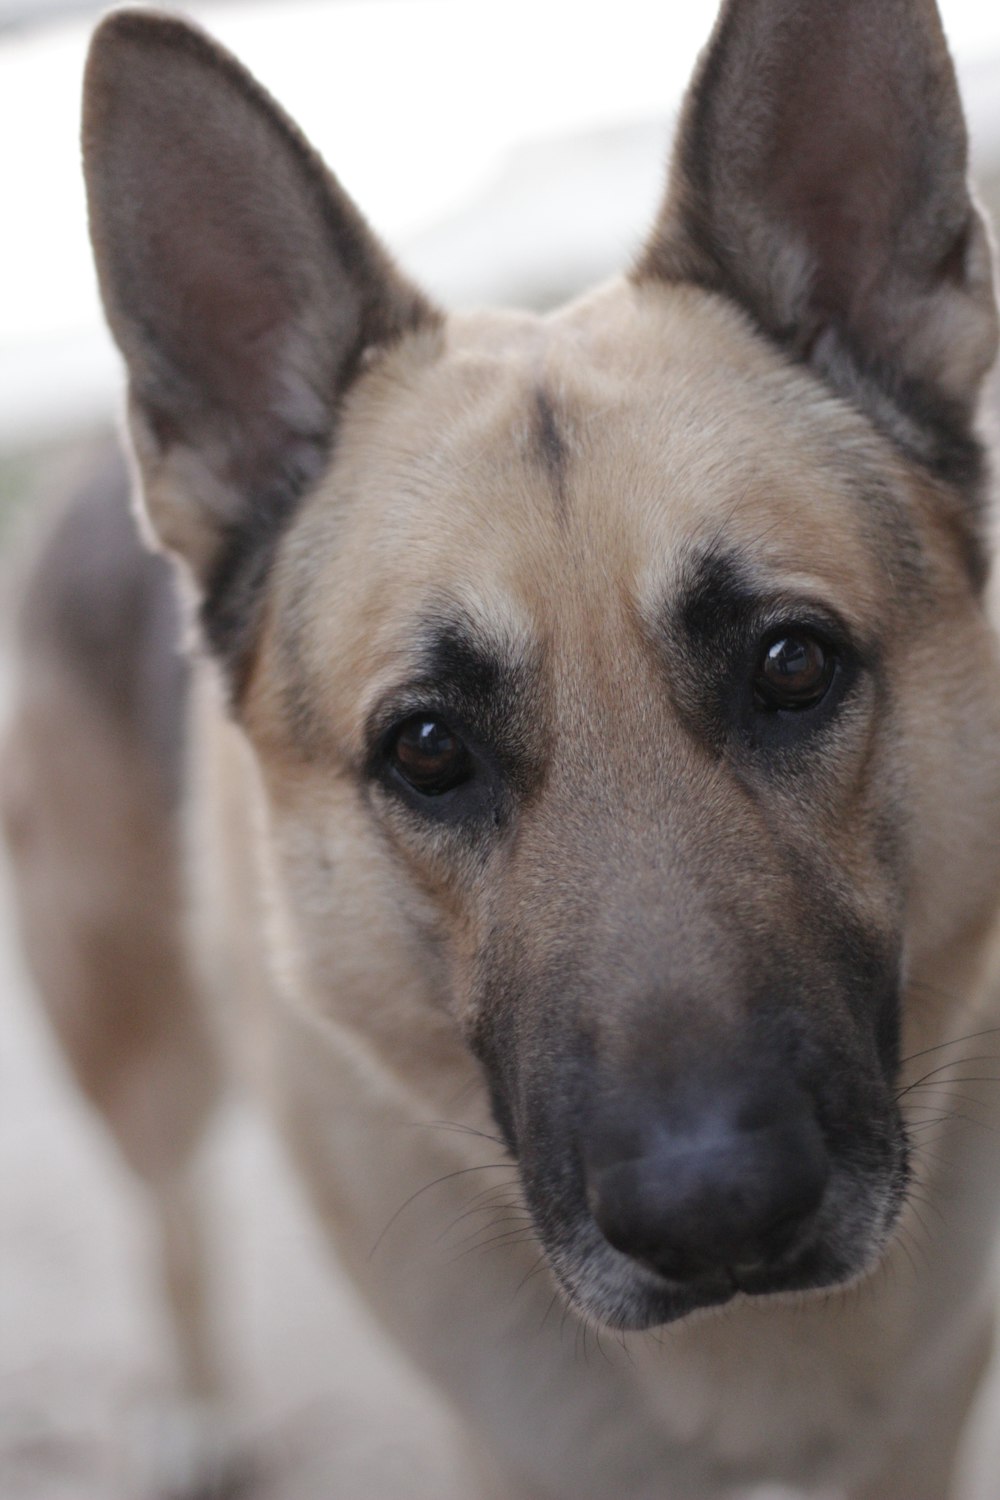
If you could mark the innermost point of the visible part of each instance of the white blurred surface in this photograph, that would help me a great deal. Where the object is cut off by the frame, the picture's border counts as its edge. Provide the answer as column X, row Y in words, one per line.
column 515, row 149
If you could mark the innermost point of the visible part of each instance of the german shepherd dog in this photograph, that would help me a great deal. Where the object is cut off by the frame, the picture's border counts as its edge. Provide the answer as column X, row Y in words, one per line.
column 595, row 737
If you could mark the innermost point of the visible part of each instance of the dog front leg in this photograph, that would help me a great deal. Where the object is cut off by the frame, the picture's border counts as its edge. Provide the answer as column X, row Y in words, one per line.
column 924, row 1464
column 97, row 879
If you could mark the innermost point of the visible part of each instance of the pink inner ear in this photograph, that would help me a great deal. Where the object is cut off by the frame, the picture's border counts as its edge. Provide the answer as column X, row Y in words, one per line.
column 228, row 307
column 240, row 281
column 219, row 303
column 216, row 221
column 840, row 169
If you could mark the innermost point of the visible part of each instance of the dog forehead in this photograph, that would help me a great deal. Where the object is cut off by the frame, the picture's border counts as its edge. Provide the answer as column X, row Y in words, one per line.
column 523, row 471
column 632, row 425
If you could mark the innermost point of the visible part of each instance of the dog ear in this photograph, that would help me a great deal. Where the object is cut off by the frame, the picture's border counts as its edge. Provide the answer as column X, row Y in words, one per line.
column 819, row 178
column 240, row 282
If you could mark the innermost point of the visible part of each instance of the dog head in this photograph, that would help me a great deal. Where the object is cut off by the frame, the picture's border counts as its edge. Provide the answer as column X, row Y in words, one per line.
column 620, row 677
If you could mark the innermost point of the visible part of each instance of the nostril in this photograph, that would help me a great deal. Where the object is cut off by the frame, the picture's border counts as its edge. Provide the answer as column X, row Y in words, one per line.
column 712, row 1197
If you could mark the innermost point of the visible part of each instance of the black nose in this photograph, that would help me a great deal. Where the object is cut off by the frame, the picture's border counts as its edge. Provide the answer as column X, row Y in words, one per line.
column 727, row 1185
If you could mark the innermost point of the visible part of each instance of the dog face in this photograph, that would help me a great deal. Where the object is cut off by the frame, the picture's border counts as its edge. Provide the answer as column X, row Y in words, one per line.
column 620, row 680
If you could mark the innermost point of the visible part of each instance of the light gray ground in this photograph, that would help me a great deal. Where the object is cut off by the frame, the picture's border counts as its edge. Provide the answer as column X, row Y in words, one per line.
column 83, row 1349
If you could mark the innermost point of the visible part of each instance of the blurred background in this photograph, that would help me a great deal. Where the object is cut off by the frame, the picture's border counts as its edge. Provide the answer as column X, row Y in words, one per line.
column 510, row 151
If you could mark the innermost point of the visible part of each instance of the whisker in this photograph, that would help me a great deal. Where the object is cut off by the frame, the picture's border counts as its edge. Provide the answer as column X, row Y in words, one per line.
column 915, row 1196
column 961, row 1098
column 435, row 1182
column 600, row 1347
column 955, row 1114
column 901, row 1241
column 959, row 1062
column 927, row 1151
column 530, row 1274
column 509, row 1237
column 483, row 1208
column 495, row 1187
column 970, row 1036
column 552, row 1302
column 457, row 1128
column 922, row 1146
column 623, row 1345
column 519, row 1219
column 464, row 1092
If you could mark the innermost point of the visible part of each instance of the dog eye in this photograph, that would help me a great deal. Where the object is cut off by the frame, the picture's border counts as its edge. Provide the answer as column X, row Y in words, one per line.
column 794, row 671
column 429, row 756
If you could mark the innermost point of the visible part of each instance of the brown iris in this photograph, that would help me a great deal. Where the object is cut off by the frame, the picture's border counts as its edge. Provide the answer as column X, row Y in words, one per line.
column 794, row 671
column 429, row 756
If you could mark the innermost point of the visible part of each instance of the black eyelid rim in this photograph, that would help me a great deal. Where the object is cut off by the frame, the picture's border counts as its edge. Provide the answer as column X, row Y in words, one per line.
column 395, row 709
column 790, row 617
column 855, row 657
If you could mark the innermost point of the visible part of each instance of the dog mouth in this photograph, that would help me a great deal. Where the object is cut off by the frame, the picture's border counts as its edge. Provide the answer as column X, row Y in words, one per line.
column 625, row 1293
column 665, row 1180
column 646, row 1242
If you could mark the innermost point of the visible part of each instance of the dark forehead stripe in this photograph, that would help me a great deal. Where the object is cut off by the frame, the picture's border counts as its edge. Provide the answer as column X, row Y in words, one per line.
column 548, row 444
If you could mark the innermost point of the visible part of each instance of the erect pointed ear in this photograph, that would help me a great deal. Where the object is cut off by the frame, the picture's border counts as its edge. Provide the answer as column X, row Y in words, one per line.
column 819, row 178
column 241, row 285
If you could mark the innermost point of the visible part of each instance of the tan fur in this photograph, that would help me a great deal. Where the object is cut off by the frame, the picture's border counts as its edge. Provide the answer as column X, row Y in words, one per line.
column 832, row 1357
column 553, row 484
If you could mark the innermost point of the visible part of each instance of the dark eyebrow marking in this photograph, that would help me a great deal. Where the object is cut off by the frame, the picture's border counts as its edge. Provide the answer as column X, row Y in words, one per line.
column 461, row 664
column 489, row 688
column 716, row 596
column 721, row 597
